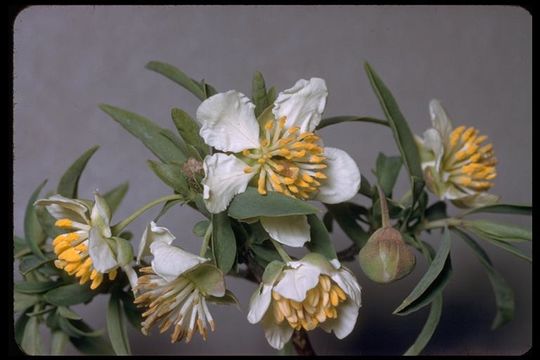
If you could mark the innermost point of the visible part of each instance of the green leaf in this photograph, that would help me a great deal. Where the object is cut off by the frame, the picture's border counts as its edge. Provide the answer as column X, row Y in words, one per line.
column 68, row 295
column 33, row 232
column 228, row 299
column 166, row 207
column 265, row 253
column 429, row 327
column 258, row 93
column 345, row 218
column 31, row 287
column 433, row 281
column 124, row 251
column 189, row 130
column 179, row 77
column 320, row 240
column 200, row 228
column 501, row 209
column 510, row 248
column 115, row 196
column 132, row 312
column 250, row 204
column 436, row 211
column 70, row 328
column 272, row 272
column 59, row 341
column 20, row 325
column 116, row 326
column 146, row 131
column 504, row 296
column 31, row 339
column 402, row 133
column 32, row 262
column 21, row 301
column 171, row 174
column 365, row 187
column 91, row 345
column 70, row 180
column 387, row 170
column 328, row 221
column 341, row 119
column 67, row 313
column 497, row 231
column 223, row 242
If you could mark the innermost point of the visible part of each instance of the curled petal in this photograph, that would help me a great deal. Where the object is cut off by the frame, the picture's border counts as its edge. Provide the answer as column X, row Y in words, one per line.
column 433, row 141
column 103, row 257
column 62, row 207
column 344, row 323
column 101, row 215
column 170, row 262
column 288, row 230
column 343, row 177
column 228, row 122
column 151, row 234
column 276, row 334
column 296, row 282
column 440, row 119
column 259, row 303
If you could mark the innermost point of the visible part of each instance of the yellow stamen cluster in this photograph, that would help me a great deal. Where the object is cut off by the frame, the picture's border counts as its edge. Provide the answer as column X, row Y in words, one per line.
column 321, row 303
column 72, row 252
column 470, row 164
column 177, row 303
column 288, row 162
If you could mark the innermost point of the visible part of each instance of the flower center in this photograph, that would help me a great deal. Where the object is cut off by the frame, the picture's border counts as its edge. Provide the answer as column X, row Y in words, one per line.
column 72, row 252
column 321, row 303
column 469, row 163
column 288, row 162
column 177, row 303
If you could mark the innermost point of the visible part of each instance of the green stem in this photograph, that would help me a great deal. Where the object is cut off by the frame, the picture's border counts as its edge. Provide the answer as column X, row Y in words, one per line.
column 284, row 256
column 206, row 240
column 385, row 218
column 116, row 229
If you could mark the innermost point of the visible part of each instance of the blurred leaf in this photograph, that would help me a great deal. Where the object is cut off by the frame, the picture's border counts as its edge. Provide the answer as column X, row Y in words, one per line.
column 124, row 251
column 128, row 235
column 433, row 281
column 271, row 95
column 70, row 180
column 21, row 301
column 47, row 222
column 41, row 312
column 146, row 131
column 429, row 327
column 228, row 299
column 223, row 242
column 31, row 287
column 436, row 211
column 504, row 295
column 346, row 221
column 501, row 209
column 33, row 233
column 265, row 253
column 59, row 341
column 69, row 327
column 132, row 312
column 171, row 175
column 32, row 262
column 387, row 169
column 166, row 207
column 116, row 326
column 71, row 294
column 115, row 196
column 288, row 349
column 200, row 228
column 510, row 248
column 340, row 119
column 189, row 130
column 320, row 240
column 31, row 339
column 179, row 77
column 328, row 221
column 365, row 187
column 497, row 231
column 20, row 325
column 67, row 313
column 91, row 345
column 251, row 204
column 258, row 93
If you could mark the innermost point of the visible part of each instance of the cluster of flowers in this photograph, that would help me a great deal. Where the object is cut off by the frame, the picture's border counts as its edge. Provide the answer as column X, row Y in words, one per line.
column 275, row 152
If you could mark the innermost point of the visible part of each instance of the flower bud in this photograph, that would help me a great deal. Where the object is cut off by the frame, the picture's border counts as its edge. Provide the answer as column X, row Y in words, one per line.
column 386, row 257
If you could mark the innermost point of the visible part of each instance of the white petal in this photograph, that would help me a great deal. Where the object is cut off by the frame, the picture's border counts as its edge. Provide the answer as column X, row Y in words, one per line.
column 277, row 335
column 303, row 104
column 153, row 233
column 103, row 257
column 439, row 119
column 224, row 178
column 348, row 283
column 343, row 179
column 289, row 230
column 62, row 207
column 260, row 300
column 345, row 321
column 434, row 142
column 170, row 262
column 228, row 122
column 296, row 282
column 131, row 274
column 101, row 215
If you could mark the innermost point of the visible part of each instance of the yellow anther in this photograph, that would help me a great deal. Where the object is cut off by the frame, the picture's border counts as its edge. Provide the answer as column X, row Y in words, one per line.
column 70, row 255
column 248, row 169
column 61, row 247
column 293, row 189
column 486, row 148
column 261, row 161
column 288, row 180
column 246, row 152
column 59, row 264
column 282, row 121
column 269, row 125
column 293, row 130
column 112, row 274
column 264, row 142
column 85, row 278
column 63, row 223
column 467, row 134
column 261, row 183
column 284, row 152
column 285, row 141
column 460, row 155
column 299, row 154
column 302, row 183
column 72, row 268
column 320, row 175
column 307, row 178
column 463, row 180
column 455, row 135
column 96, row 281
column 93, row 274
column 480, row 139
column 316, row 159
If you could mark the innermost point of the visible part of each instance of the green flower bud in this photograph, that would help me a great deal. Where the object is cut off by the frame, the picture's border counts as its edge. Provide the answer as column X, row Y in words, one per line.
column 386, row 257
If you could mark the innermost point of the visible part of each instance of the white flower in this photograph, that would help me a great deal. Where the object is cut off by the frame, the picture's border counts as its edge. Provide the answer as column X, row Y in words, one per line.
column 305, row 294
column 276, row 152
column 456, row 165
column 177, row 287
column 88, row 251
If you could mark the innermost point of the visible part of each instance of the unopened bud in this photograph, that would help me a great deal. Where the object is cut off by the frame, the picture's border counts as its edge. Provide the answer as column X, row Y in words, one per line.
column 386, row 257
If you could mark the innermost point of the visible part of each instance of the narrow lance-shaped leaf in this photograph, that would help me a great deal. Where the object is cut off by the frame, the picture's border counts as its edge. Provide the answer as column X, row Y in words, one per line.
column 504, row 296
column 116, row 326
column 34, row 287
column 501, row 209
column 91, row 345
column 258, row 93
column 433, row 281
column 69, row 182
column 189, row 130
column 171, row 174
column 115, row 196
column 71, row 294
column 320, row 240
column 178, row 77
column 146, row 131
column 31, row 340
column 33, row 232
column 387, row 170
column 223, row 242
column 497, row 231
column 59, row 340
column 341, row 119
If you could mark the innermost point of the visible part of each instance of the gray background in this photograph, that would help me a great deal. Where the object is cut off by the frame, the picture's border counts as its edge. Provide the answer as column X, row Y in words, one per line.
column 476, row 60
